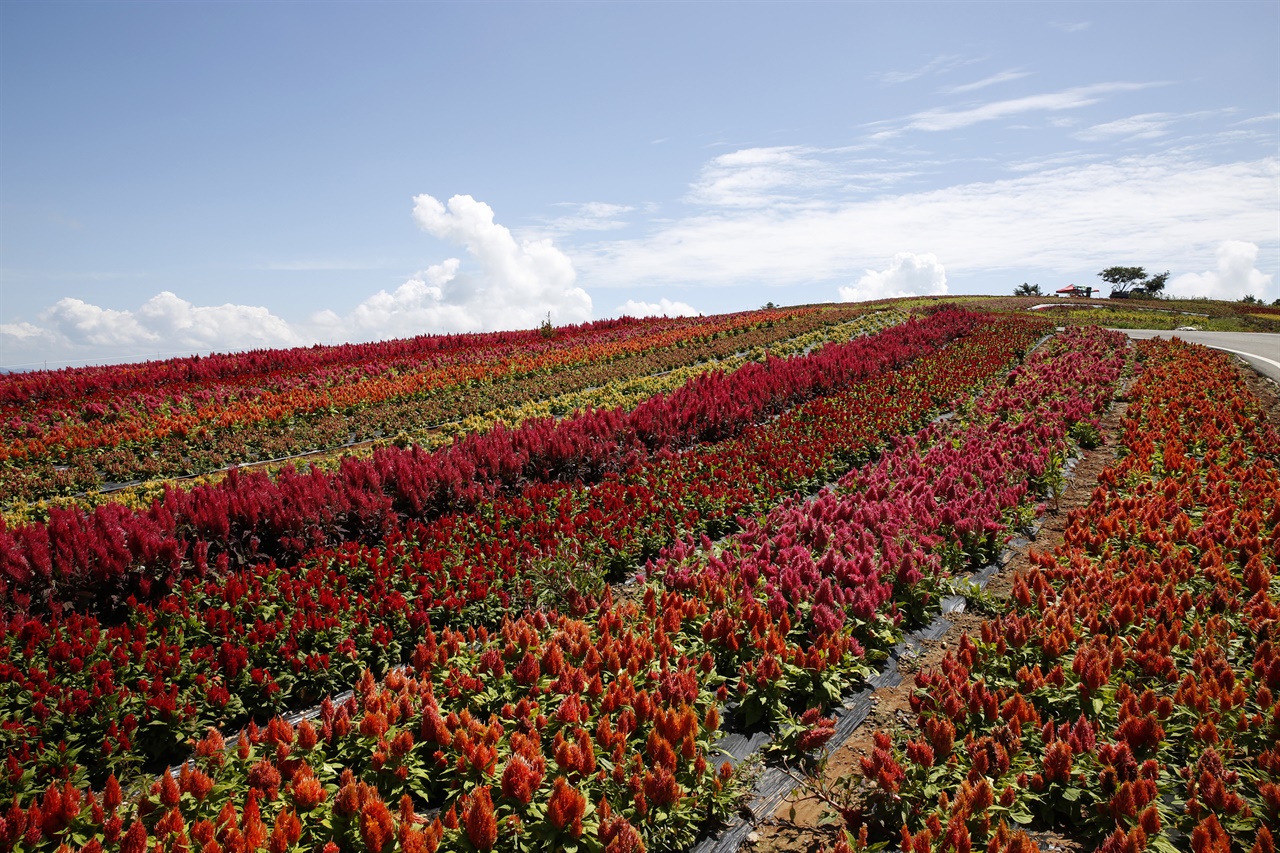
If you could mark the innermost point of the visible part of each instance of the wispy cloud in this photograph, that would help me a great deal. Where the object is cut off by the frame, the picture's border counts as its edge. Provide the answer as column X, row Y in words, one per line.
column 1068, row 99
column 754, row 177
column 1144, row 126
column 937, row 65
column 318, row 265
column 589, row 216
column 994, row 79
column 1072, row 26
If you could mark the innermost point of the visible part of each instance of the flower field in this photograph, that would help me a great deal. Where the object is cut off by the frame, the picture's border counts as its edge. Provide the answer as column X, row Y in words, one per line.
column 71, row 430
column 1127, row 694
column 790, row 517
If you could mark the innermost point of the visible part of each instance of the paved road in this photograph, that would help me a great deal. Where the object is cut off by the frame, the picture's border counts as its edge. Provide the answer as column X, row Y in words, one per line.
column 1261, row 350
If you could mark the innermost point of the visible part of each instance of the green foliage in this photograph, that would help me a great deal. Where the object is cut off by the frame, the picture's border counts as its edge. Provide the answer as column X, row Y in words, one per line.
column 1133, row 279
column 1025, row 289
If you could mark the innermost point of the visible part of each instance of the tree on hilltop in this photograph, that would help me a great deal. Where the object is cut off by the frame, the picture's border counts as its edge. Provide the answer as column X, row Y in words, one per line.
column 1133, row 279
column 1025, row 289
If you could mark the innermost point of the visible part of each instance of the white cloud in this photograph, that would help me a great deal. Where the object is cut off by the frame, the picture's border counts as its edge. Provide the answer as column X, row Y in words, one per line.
column 953, row 119
column 753, row 177
column 590, row 216
column 82, row 323
column 1072, row 27
column 1145, row 126
column 517, row 284
column 907, row 275
column 994, row 79
column 1068, row 218
column 21, row 331
column 76, row 331
column 513, row 285
column 937, row 65
column 662, row 308
column 1236, row 275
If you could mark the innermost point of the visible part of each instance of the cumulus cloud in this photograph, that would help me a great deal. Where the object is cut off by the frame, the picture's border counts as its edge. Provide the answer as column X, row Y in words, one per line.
column 1236, row 275
column 505, row 284
column 907, row 275
column 509, row 284
column 76, row 330
column 662, row 308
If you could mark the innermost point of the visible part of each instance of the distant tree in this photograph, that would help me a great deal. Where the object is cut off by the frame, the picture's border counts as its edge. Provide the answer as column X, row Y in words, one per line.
column 1126, row 279
column 1250, row 299
column 768, row 305
column 1025, row 289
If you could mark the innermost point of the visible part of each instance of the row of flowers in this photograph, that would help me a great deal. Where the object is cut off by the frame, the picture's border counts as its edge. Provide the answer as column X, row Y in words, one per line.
column 264, row 639
column 1127, row 693
column 78, row 558
column 597, row 730
column 194, row 429
column 610, row 385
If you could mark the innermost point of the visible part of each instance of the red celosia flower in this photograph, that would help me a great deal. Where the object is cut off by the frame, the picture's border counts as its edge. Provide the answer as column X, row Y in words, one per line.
column 307, row 737
column 307, row 791
column 287, row 831
column 566, row 807
column 377, row 828
column 255, row 831
column 1209, row 837
column 479, row 819
column 1057, row 762
column 169, row 792
column 520, row 779
column 135, row 840
column 264, row 777
column 619, row 836
column 373, row 724
column 112, row 796
column 660, row 787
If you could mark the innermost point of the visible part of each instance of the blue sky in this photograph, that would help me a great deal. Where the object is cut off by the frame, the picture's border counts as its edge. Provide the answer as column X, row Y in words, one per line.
column 189, row 177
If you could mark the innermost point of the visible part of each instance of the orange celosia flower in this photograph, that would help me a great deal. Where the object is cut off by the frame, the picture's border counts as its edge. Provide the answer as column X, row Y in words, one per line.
column 479, row 819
